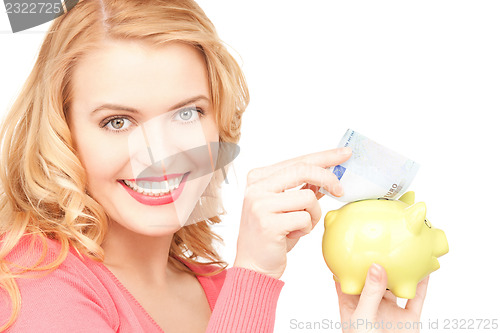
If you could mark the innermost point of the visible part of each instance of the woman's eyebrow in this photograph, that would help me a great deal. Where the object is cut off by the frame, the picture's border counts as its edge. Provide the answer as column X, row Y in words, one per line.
column 108, row 106
column 114, row 107
column 189, row 101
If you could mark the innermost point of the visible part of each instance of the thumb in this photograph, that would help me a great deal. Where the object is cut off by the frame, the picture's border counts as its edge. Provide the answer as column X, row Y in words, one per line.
column 373, row 291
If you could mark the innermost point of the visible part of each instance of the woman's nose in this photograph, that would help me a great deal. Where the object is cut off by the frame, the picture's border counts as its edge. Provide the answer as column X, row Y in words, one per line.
column 152, row 147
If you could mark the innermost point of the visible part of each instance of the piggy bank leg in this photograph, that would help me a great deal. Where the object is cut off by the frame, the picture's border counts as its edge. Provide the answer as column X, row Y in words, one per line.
column 351, row 286
column 405, row 290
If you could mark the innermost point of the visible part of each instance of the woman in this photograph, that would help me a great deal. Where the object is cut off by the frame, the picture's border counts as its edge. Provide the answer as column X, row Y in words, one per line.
column 104, row 180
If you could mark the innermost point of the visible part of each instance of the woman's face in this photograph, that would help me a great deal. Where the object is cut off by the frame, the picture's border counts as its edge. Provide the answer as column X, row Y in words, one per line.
column 141, row 119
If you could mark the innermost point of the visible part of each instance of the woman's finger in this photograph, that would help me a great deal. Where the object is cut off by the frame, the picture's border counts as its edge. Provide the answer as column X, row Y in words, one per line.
column 347, row 303
column 322, row 159
column 390, row 296
column 298, row 222
column 373, row 291
column 313, row 188
column 295, row 201
column 299, row 174
column 416, row 304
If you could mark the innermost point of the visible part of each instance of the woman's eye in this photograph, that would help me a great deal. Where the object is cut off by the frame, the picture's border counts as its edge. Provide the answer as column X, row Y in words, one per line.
column 189, row 115
column 117, row 124
column 186, row 114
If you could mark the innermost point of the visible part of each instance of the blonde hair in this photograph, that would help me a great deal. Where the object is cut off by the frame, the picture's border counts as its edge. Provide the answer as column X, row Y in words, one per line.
column 43, row 182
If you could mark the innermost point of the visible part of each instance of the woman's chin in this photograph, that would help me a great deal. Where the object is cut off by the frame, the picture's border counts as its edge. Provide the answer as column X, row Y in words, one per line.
column 155, row 229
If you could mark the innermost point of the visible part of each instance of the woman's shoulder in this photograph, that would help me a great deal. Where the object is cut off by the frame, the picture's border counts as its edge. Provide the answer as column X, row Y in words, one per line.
column 40, row 253
column 47, row 293
column 35, row 250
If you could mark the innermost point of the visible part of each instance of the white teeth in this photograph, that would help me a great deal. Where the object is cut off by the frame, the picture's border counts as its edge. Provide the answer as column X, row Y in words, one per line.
column 173, row 182
column 164, row 187
column 154, row 188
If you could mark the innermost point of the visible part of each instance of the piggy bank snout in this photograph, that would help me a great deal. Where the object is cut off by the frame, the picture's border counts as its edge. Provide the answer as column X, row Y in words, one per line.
column 440, row 243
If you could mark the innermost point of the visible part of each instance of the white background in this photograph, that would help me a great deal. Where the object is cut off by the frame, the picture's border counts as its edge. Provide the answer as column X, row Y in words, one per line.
column 419, row 77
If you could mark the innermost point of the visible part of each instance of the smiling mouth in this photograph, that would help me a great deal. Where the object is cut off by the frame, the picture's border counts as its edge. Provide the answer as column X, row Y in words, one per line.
column 154, row 188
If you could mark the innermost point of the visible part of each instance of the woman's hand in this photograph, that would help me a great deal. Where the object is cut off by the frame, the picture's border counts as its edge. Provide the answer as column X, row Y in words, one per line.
column 273, row 220
column 376, row 310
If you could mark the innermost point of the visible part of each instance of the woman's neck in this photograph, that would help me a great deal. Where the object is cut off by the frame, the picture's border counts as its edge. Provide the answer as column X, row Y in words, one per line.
column 145, row 257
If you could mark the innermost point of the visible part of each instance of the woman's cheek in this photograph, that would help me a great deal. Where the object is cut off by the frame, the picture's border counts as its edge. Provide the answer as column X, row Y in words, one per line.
column 103, row 156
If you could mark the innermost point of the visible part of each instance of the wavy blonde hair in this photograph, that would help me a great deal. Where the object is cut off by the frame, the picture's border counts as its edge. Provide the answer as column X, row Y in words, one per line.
column 43, row 182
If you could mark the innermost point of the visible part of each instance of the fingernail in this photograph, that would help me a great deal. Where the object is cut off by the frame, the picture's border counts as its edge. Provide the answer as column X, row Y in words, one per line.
column 339, row 190
column 375, row 272
column 345, row 151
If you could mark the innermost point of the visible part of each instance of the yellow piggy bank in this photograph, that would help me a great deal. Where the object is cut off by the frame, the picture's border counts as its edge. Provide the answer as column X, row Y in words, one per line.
column 392, row 233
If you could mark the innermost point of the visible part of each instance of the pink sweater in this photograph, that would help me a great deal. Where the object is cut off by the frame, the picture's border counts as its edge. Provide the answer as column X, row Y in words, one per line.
column 84, row 296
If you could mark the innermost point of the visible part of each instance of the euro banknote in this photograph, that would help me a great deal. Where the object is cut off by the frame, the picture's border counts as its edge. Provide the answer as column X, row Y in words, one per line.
column 373, row 171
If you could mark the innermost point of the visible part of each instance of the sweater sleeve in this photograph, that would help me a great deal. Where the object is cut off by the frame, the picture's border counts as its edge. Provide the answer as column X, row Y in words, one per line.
column 246, row 303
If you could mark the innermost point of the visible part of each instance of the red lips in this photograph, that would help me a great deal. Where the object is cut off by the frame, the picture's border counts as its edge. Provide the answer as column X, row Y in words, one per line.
column 157, row 200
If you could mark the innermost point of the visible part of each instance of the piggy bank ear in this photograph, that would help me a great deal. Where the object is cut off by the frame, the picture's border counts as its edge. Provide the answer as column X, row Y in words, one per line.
column 415, row 217
column 408, row 198
column 329, row 217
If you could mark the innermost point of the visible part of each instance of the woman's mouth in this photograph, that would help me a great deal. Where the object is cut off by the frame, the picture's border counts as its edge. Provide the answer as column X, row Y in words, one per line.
column 154, row 188
column 153, row 191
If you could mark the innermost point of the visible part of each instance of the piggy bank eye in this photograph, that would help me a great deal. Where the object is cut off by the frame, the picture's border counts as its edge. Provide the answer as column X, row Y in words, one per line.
column 427, row 223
